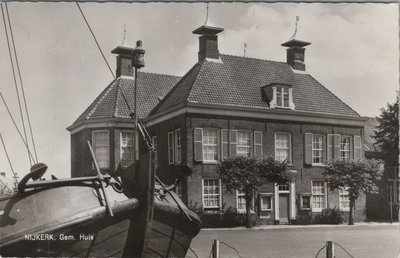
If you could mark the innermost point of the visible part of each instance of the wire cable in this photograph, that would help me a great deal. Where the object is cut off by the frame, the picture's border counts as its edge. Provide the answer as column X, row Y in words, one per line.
column 94, row 37
column 16, row 126
column 231, row 248
column 22, row 85
column 193, row 252
column 320, row 251
column 344, row 250
column 9, row 161
column 15, row 81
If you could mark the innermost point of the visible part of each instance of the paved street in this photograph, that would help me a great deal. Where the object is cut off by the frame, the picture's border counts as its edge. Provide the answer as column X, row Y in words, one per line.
column 361, row 241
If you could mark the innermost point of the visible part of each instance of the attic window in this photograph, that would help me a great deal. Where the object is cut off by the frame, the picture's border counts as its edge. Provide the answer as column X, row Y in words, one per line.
column 282, row 97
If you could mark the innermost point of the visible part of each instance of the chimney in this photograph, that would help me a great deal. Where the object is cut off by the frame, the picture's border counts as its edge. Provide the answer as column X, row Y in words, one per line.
column 295, row 53
column 208, row 41
column 124, row 60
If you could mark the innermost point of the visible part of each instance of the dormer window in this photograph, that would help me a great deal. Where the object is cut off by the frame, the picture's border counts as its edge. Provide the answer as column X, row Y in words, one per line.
column 282, row 97
column 278, row 95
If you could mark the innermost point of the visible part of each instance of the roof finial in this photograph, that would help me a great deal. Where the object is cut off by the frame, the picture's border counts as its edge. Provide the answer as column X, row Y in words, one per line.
column 206, row 15
column 295, row 30
column 244, row 49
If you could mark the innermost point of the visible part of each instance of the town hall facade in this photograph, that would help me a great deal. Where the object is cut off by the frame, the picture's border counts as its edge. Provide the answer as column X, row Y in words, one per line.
column 222, row 107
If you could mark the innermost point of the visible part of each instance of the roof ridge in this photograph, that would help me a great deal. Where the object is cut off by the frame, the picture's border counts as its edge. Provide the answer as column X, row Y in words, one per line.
column 155, row 109
column 162, row 74
column 255, row 58
column 201, row 69
column 334, row 95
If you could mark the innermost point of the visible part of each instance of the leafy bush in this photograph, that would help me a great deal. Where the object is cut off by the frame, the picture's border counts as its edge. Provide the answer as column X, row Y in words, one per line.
column 304, row 218
column 329, row 216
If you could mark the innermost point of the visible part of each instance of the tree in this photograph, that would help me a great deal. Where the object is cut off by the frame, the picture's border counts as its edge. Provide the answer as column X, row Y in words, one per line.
column 387, row 133
column 356, row 176
column 247, row 174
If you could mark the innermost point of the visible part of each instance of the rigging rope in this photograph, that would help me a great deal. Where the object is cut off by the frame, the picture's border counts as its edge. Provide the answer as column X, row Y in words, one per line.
column 16, row 126
column 22, row 85
column 15, row 82
column 9, row 161
column 94, row 37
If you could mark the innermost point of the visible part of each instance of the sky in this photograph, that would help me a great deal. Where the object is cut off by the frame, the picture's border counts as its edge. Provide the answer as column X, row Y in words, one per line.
column 354, row 53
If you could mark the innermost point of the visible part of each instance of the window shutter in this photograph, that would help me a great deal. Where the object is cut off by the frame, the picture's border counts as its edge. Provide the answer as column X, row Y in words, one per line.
column 336, row 146
column 171, row 148
column 224, row 143
column 117, row 150
column 357, row 147
column 233, row 142
column 198, row 144
column 308, row 148
column 329, row 149
column 257, row 143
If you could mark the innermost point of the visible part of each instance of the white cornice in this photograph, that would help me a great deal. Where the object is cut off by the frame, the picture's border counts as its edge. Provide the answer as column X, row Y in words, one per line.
column 269, row 114
column 101, row 123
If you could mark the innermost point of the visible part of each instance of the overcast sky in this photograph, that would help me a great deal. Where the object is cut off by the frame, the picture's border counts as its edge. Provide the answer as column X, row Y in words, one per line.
column 354, row 53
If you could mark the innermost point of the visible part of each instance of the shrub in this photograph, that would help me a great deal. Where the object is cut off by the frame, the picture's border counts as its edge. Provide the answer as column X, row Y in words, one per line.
column 329, row 216
column 304, row 218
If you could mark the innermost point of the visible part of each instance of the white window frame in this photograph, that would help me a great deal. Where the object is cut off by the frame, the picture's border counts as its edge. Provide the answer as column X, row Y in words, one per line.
column 308, row 195
column 318, row 209
column 216, row 146
column 271, row 196
column 171, row 148
column 120, row 147
column 154, row 143
column 344, row 192
column 243, row 146
column 342, row 145
column 289, row 148
column 241, row 210
column 219, row 194
column 178, row 146
column 284, row 91
column 95, row 146
column 321, row 150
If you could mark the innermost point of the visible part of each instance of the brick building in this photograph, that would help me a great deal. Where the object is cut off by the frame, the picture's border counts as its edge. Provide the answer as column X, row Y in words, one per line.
column 229, row 105
column 106, row 122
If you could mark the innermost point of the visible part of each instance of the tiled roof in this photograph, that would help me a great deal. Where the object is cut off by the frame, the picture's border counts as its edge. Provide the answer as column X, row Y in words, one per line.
column 237, row 81
column 111, row 103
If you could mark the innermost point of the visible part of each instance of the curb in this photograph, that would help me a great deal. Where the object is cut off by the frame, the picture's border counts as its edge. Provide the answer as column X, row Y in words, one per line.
column 274, row 227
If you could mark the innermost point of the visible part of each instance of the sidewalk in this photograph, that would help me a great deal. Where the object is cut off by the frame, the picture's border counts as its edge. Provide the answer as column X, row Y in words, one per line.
column 271, row 227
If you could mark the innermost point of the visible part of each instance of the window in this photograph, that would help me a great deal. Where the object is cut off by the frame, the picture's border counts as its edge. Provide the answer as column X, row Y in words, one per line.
column 283, row 188
column 345, row 147
column 154, row 143
column 318, row 195
column 282, row 97
column 101, row 148
column 170, row 148
column 243, row 143
column 178, row 146
column 282, row 147
column 318, row 149
column 305, row 201
column 241, row 202
column 265, row 202
column 210, row 144
column 211, row 194
column 127, row 148
column 344, row 201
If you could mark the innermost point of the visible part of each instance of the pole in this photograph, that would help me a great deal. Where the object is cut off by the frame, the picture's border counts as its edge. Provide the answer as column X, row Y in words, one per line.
column 215, row 249
column 330, row 249
column 100, row 176
column 391, row 201
column 136, row 151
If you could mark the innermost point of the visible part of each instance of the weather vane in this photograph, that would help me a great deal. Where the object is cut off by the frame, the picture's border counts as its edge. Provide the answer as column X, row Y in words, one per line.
column 123, row 41
column 206, row 15
column 295, row 30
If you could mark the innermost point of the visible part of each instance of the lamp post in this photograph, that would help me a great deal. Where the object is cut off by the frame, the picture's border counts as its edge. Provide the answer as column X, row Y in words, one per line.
column 137, row 63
